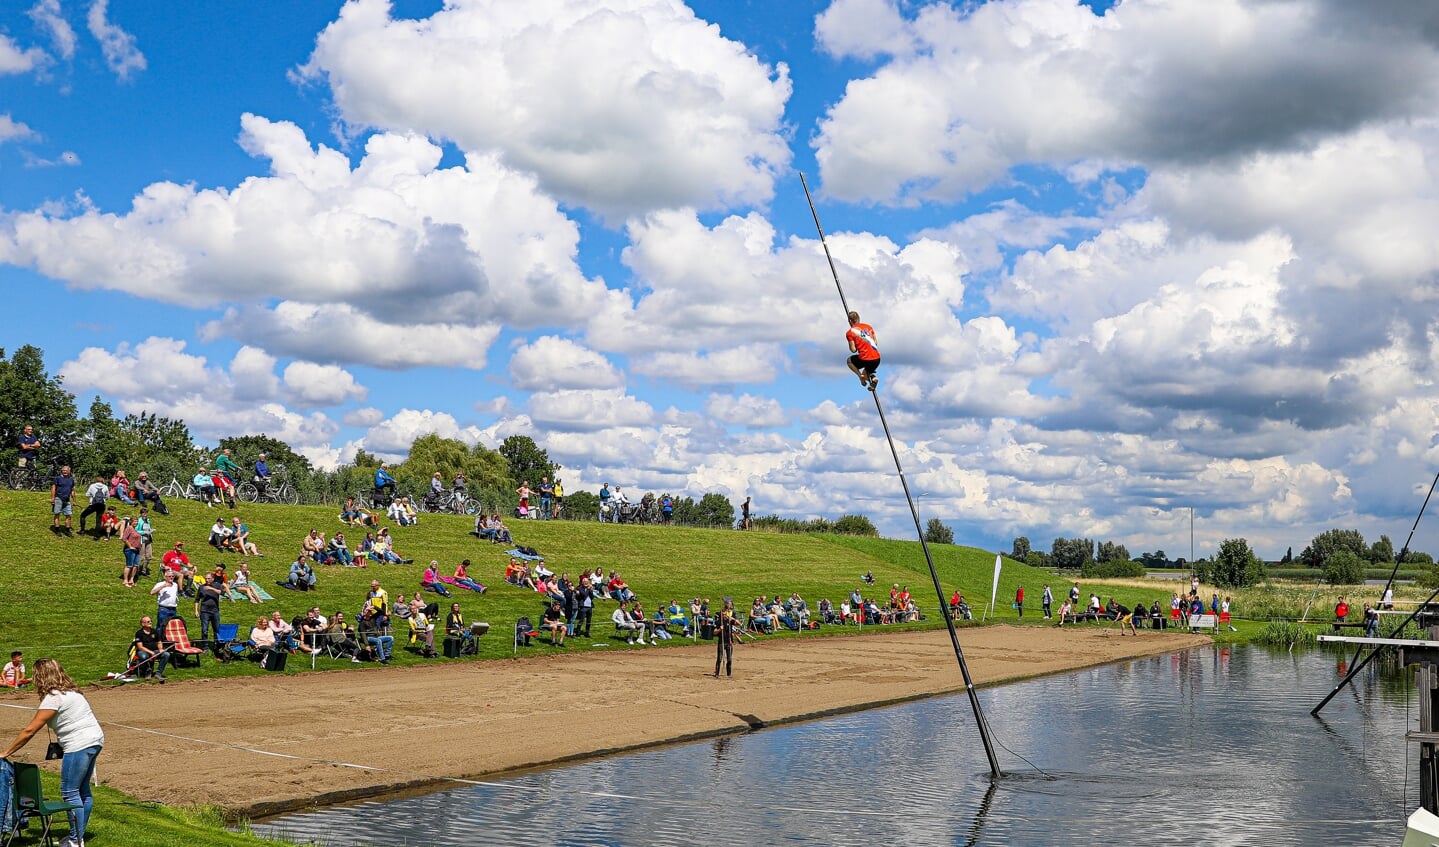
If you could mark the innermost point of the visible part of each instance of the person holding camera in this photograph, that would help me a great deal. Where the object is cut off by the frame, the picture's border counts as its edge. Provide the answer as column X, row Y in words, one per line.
column 79, row 740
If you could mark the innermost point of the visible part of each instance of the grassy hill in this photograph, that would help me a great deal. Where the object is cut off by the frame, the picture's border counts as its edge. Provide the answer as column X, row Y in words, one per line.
column 62, row 596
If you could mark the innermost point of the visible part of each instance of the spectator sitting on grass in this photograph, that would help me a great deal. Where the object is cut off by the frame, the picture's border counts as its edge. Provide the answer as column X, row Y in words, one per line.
column 385, row 547
column 241, row 583
column 462, row 577
column 351, row 513
column 240, row 539
column 314, row 546
column 430, row 580
column 518, row 573
column 302, row 575
column 109, row 523
column 340, row 552
column 220, row 535
column 619, row 589
column 397, row 513
column 14, row 675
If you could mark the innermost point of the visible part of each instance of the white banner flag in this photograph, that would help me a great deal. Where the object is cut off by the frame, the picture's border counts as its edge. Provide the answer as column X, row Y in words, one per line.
column 994, row 589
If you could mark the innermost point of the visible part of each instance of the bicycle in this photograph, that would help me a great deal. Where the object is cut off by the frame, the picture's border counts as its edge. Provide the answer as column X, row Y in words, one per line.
column 278, row 490
column 172, row 490
column 31, row 478
column 449, row 502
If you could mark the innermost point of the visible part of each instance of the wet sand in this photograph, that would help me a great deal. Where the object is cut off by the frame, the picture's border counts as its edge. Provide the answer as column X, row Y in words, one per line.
column 265, row 744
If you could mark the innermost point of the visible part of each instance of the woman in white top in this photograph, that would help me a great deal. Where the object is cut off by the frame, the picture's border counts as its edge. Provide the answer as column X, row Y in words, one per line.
column 68, row 714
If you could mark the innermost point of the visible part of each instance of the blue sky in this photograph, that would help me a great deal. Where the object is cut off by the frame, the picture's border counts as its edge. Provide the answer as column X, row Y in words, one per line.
column 1124, row 259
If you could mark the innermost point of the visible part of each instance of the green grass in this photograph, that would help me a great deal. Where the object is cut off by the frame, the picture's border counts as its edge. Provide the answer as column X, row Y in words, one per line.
column 64, row 598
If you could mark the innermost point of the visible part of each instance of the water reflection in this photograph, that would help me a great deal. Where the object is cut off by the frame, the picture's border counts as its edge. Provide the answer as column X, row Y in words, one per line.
column 1214, row 742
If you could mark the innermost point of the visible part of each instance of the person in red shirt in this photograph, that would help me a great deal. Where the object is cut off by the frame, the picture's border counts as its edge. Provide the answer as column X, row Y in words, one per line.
column 1019, row 600
column 175, row 558
column 1341, row 610
column 863, row 345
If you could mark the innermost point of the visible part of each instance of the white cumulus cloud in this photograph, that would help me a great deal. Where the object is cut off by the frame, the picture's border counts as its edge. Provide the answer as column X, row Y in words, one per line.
column 621, row 106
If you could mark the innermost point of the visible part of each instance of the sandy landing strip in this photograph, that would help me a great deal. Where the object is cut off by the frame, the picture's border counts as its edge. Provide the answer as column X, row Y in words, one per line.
column 408, row 727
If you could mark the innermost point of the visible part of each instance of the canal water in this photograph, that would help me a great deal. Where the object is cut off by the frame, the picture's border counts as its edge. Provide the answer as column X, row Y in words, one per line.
column 1210, row 746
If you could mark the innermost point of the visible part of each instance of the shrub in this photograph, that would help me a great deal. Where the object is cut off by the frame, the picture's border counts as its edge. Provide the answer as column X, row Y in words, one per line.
column 1344, row 567
column 1116, row 569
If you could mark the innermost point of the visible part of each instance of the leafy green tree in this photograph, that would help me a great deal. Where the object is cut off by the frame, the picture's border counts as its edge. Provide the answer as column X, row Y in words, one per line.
column 1418, row 557
column 1234, row 566
column 855, row 525
column 1382, row 552
column 486, row 471
column 1112, row 552
column 935, row 532
column 1331, row 541
column 1071, row 552
column 160, row 445
column 104, row 448
column 247, row 448
column 365, row 460
column 1021, row 549
column 714, row 510
column 1288, row 556
column 1344, row 567
column 527, row 461
column 29, row 395
column 582, row 505
column 1157, row 559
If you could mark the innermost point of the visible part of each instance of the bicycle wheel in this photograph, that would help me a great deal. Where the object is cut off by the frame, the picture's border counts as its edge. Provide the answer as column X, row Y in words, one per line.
column 248, row 492
column 289, row 494
column 471, row 506
column 19, row 479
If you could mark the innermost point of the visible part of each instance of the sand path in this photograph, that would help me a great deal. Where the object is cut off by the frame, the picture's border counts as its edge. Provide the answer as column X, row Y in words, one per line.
column 408, row 727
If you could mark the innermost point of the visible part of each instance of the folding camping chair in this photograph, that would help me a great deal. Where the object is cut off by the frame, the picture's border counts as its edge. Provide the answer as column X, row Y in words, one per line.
column 177, row 641
column 227, row 644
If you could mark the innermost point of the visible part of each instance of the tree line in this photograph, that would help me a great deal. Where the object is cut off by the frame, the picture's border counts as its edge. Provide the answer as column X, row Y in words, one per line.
column 99, row 444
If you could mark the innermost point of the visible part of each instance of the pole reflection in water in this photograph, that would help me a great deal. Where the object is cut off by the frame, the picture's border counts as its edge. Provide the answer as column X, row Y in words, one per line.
column 1138, row 751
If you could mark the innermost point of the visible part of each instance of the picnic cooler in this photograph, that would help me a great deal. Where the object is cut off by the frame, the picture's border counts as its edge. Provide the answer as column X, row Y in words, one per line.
column 452, row 647
column 274, row 660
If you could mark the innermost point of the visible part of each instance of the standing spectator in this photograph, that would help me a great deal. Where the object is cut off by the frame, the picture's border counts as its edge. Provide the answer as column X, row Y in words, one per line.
column 724, row 638
column 1019, row 601
column 147, row 540
column 1074, row 595
column 68, row 714
column 146, row 490
column 1046, row 600
column 667, row 509
column 96, row 495
column 437, row 490
column 524, row 492
column 62, row 493
column 150, row 653
column 606, row 510
column 547, row 498
column 744, row 522
column 584, row 608
column 1194, row 585
column 457, row 488
column 1341, row 610
column 559, row 498
column 29, row 447
column 14, row 676
column 130, row 544
column 1387, row 601
column 1371, row 621
column 167, row 595
column 207, row 604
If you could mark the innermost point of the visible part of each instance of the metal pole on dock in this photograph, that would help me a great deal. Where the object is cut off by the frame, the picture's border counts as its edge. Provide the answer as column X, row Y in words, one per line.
column 914, row 513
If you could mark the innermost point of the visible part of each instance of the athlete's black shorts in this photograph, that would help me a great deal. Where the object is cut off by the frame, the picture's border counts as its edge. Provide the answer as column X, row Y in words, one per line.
column 869, row 366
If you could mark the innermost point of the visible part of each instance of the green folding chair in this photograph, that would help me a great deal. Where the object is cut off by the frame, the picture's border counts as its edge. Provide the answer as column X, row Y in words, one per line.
column 30, row 801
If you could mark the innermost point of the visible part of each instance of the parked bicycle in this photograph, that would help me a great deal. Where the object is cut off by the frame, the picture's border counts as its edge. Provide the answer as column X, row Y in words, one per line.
column 449, row 502
column 33, row 478
column 277, row 490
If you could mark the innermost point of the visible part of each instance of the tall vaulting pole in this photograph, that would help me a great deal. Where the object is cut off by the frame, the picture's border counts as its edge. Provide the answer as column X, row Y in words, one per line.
column 914, row 513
